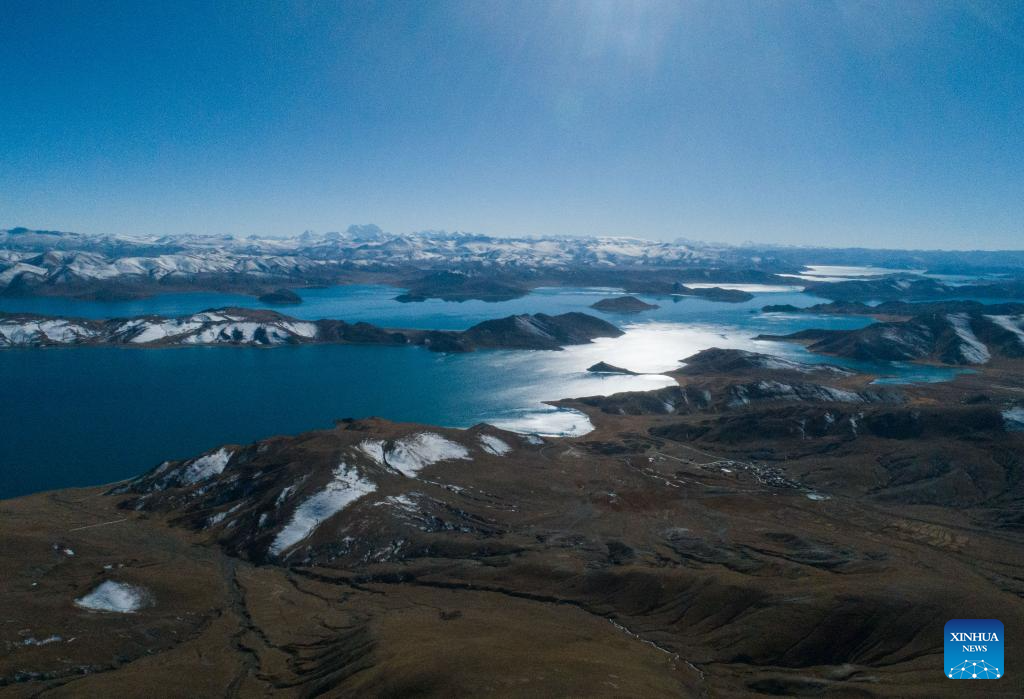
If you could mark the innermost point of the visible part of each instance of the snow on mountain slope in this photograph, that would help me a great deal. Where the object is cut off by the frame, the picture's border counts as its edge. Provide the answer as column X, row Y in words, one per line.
column 231, row 326
column 341, row 491
column 345, row 487
column 42, row 332
column 46, row 257
column 1013, row 324
column 19, row 268
column 961, row 338
column 412, row 454
column 971, row 348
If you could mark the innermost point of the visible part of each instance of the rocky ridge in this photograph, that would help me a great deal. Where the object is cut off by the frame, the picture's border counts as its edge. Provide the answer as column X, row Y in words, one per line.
column 972, row 334
column 263, row 328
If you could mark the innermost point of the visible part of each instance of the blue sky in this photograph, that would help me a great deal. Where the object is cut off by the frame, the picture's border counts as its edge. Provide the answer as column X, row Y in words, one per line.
column 893, row 124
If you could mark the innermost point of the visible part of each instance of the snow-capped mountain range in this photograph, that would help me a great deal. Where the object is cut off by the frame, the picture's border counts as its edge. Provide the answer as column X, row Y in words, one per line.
column 34, row 258
column 53, row 262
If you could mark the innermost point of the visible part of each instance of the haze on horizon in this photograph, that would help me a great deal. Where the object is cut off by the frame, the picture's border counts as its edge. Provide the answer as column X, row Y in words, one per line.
column 810, row 123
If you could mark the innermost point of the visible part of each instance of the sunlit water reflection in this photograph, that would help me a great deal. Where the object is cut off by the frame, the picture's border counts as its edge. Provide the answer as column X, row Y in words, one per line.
column 89, row 415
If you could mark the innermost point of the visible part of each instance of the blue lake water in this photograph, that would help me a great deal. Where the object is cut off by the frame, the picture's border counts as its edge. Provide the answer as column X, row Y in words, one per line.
column 78, row 416
column 376, row 304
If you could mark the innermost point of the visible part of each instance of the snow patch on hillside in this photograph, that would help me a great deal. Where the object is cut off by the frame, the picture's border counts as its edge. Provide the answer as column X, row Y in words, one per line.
column 493, row 445
column 415, row 452
column 35, row 332
column 206, row 466
column 346, row 487
column 1014, row 324
column 112, row 596
column 412, row 453
column 972, row 349
column 373, row 448
column 1014, row 419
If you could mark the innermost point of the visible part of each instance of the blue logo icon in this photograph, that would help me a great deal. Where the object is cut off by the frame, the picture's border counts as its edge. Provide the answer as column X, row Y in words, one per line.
column 974, row 649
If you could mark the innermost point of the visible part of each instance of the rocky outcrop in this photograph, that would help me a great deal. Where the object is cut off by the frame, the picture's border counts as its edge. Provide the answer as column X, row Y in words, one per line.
column 606, row 368
column 538, row 331
column 673, row 400
column 714, row 293
column 718, row 380
column 718, row 396
column 735, row 361
column 623, row 304
column 768, row 390
column 281, row 297
column 338, row 331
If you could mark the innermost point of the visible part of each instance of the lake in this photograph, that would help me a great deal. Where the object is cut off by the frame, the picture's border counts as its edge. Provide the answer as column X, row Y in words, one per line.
column 80, row 416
